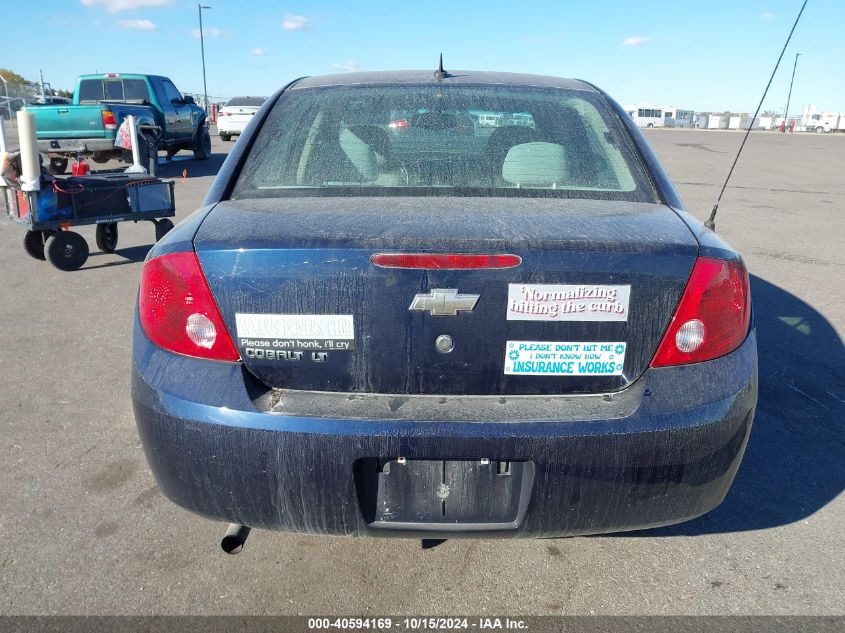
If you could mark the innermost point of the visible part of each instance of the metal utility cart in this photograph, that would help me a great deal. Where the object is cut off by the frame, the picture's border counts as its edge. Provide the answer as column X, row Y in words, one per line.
column 103, row 200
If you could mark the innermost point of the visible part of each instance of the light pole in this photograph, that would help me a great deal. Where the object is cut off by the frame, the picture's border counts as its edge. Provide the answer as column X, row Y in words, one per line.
column 6, row 90
column 200, row 7
column 789, row 98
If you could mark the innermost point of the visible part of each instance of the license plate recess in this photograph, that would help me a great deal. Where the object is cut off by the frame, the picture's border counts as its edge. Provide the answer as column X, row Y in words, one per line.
column 422, row 494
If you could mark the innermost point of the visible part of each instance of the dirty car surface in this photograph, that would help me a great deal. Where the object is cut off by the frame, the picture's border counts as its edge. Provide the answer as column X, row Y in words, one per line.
column 495, row 319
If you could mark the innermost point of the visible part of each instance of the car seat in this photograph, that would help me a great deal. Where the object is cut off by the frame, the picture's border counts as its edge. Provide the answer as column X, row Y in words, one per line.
column 536, row 165
column 368, row 148
column 501, row 141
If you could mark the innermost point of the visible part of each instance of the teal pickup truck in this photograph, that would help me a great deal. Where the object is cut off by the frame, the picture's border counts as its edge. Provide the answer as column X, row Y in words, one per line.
column 167, row 121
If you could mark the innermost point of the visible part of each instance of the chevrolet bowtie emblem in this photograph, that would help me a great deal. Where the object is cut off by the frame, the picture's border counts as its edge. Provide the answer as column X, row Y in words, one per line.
column 444, row 302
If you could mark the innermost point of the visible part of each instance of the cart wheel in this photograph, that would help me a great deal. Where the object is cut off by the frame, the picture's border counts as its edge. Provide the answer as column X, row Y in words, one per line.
column 66, row 250
column 107, row 237
column 33, row 244
column 163, row 228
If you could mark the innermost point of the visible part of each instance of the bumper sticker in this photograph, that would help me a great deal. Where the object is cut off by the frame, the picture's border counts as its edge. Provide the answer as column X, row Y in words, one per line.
column 295, row 331
column 575, row 302
column 555, row 358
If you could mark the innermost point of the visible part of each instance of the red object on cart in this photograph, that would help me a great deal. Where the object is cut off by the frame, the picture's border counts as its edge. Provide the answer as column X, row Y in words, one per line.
column 23, row 204
column 80, row 168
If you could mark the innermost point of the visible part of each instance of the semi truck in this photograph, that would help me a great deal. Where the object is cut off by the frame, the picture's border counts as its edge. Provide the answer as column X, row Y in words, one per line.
column 825, row 122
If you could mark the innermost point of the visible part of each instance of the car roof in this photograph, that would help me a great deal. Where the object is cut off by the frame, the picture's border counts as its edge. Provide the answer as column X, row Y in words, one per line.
column 120, row 76
column 454, row 77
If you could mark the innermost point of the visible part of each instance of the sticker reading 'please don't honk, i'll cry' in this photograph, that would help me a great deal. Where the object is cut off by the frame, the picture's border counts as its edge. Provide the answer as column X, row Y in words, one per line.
column 567, row 302
column 564, row 358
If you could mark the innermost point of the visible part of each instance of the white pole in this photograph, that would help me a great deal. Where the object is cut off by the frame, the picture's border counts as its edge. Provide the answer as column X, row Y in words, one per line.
column 136, row 167
column 30, row 164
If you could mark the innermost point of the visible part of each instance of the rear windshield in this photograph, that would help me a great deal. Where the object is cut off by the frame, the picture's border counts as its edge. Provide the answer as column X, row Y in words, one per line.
column 245, row 102
column 113, row 89
column 423, row 140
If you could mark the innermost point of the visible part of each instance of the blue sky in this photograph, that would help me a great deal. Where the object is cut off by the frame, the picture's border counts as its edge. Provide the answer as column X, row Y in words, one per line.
column 706, row 55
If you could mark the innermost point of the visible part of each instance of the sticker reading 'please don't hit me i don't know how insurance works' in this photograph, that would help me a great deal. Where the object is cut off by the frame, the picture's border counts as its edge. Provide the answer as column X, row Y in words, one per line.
column 567, row 302
column 561, row 358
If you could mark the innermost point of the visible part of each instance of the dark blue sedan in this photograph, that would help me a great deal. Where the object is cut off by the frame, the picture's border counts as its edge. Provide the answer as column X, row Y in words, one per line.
column 432, row 306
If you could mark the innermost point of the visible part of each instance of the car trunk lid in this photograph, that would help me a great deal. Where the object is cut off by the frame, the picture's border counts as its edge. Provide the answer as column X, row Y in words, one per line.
column 309, row 310
column 238, row 114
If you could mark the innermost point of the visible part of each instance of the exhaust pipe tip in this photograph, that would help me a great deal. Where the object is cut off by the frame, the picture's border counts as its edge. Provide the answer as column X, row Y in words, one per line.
column 235, row 538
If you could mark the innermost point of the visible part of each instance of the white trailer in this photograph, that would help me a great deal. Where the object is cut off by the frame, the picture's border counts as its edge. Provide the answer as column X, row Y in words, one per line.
column 708, row 121
column 763, row 123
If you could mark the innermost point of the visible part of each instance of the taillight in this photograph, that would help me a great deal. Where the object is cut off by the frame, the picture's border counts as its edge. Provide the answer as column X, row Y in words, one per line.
column 444, row 261
column 178, row 312
column 222, row 114
column 712, row 318
column 109, row 121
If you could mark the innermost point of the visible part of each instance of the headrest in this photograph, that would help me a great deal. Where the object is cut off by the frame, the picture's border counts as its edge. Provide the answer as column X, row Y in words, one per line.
column 535, row 165
column 360, row 155
column 373, row 136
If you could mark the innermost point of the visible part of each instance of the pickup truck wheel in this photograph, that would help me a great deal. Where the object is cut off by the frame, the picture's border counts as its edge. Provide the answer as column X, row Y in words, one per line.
column 202, row 148
column 58, row 166
column 107, row 237
column 225, row 137
column 66, row 250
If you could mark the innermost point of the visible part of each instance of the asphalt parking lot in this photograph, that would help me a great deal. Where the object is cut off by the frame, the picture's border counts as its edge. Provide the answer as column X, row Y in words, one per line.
column 85, row 530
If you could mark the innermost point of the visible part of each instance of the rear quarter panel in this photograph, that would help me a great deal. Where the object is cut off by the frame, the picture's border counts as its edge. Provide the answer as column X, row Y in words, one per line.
column 146, row 115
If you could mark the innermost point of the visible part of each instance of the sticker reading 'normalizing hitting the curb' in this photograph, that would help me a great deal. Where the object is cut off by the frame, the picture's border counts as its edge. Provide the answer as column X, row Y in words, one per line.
column 296, row 331
column 574, row 302
column 554, row 358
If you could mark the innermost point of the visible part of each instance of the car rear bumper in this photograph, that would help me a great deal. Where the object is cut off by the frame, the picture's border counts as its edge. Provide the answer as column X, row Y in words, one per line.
column 230, row 127
column 72, row 145
column 662, row 451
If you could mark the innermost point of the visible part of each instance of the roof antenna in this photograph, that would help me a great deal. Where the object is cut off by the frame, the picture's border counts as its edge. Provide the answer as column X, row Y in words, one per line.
column 710, row 223
column 440, row 74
